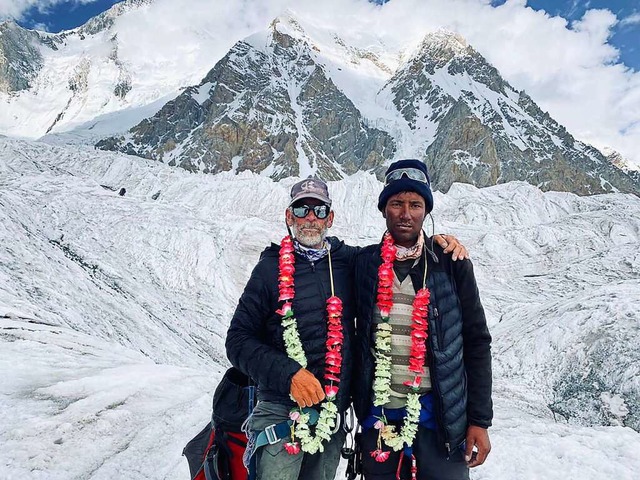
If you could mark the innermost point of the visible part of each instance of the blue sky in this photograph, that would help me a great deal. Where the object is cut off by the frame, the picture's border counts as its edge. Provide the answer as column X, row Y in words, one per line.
column 55, row 16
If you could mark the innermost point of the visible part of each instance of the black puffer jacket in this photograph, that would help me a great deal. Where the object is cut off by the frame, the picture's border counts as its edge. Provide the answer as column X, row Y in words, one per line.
column 459, row 348
column 254, row 341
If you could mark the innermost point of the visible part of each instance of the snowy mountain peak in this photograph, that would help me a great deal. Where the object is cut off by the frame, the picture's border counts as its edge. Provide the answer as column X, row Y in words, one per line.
column 444, row 44
column 615, row 158
column 268, row 106
column 293, row 98
column 288, row 23
column 106, row 19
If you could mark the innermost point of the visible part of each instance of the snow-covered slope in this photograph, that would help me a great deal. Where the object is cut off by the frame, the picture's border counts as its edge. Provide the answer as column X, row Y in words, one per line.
column 113, row 311
column 134, row 54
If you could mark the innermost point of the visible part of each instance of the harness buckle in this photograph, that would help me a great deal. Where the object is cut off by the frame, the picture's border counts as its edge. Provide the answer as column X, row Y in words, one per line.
column 270, row 433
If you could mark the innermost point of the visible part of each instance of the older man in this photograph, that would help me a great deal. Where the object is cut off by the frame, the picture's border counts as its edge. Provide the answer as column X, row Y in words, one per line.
column 292, row 333
column 423, row 390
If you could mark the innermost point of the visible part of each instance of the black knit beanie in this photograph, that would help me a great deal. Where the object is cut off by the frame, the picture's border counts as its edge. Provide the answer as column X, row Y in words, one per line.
column 406, row 184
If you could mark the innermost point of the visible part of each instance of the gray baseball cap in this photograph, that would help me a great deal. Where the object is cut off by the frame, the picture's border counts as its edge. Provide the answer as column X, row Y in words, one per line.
column 310, row 188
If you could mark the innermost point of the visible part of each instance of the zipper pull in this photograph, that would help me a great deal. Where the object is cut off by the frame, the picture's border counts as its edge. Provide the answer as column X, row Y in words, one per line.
column 435, row 311
column 313, row 266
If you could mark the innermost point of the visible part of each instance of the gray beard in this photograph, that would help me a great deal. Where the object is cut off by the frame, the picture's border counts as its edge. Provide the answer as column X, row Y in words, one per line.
column 309, row 240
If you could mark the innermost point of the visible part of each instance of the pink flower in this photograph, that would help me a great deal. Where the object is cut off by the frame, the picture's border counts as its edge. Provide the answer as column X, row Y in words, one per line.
column 379, row 425
column 413, row 384
column 416, row 364
column 286, row 310
column 333, row 358
column 334, row 301
column 286, row 258
column 294, row 415
column 335, row 334
column 334, row 310
column 292, row 448
column 286, row 293
column 287, row 269
column 287, row 243
column 331, row 391
column 380, row 456
column 385, row 270
column 331, row 377
column 418, row 336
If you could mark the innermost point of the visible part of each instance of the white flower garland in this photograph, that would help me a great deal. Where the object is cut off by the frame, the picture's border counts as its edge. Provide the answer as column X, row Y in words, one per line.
column 382, row 376
column 292, row 342
column 382, row 379
column 328, row 410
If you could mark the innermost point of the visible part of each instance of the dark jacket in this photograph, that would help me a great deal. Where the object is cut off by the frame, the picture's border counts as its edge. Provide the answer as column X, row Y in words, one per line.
column 459, row 345
column 254, row 341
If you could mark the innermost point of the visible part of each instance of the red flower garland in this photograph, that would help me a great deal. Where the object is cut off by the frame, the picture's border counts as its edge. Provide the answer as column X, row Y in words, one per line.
column 419, row 315
column 286, row 269
column 333, row 357
column 335, row 337
column 419, row 319
column 385, row 276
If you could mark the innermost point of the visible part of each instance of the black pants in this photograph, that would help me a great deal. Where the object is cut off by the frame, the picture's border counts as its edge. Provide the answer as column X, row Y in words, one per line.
column 430, row 455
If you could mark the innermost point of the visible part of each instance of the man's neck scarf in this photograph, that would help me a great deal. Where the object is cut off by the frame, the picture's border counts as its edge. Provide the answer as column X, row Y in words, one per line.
column 410, row 253
column 312, row 254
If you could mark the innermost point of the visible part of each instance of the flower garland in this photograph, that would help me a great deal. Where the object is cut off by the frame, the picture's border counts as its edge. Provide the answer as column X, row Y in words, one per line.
column 382, row 379
column 333, row 357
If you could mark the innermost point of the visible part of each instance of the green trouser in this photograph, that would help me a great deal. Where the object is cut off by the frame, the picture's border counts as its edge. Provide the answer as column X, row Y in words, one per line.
column 273, row 461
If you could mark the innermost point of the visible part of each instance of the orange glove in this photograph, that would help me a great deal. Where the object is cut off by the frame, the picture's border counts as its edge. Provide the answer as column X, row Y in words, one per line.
column 306, row 389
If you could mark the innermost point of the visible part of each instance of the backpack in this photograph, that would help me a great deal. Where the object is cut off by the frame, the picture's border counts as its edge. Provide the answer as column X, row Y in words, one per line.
column 216, row 452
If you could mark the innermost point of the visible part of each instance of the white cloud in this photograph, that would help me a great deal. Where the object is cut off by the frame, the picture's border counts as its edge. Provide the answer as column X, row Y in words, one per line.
column 633, row 19
column 42, row 27
column 570, row 70
column 15, row 9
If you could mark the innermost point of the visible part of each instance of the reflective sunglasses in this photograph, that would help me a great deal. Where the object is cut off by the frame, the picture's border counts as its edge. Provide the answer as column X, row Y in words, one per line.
column 411, row 173
column 320, row 211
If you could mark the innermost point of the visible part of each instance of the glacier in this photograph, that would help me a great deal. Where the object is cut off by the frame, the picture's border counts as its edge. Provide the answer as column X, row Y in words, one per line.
column 113, row 311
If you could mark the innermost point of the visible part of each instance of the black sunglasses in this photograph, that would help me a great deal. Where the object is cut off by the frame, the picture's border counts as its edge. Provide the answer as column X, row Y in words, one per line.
column 321, row 211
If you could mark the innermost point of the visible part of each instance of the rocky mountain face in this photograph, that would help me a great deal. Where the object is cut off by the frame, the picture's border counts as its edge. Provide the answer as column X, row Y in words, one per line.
column 282, row 102
column 488, row 132
column 271, row 106
column 20, row 57
column 268, row 106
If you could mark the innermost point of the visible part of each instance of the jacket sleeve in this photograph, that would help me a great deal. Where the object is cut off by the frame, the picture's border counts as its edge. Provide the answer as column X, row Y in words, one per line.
column 246, row 347
column 476, row 345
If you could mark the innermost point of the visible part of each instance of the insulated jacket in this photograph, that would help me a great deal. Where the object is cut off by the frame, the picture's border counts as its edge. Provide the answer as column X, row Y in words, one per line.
column 459, row 342
column 254, row 341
